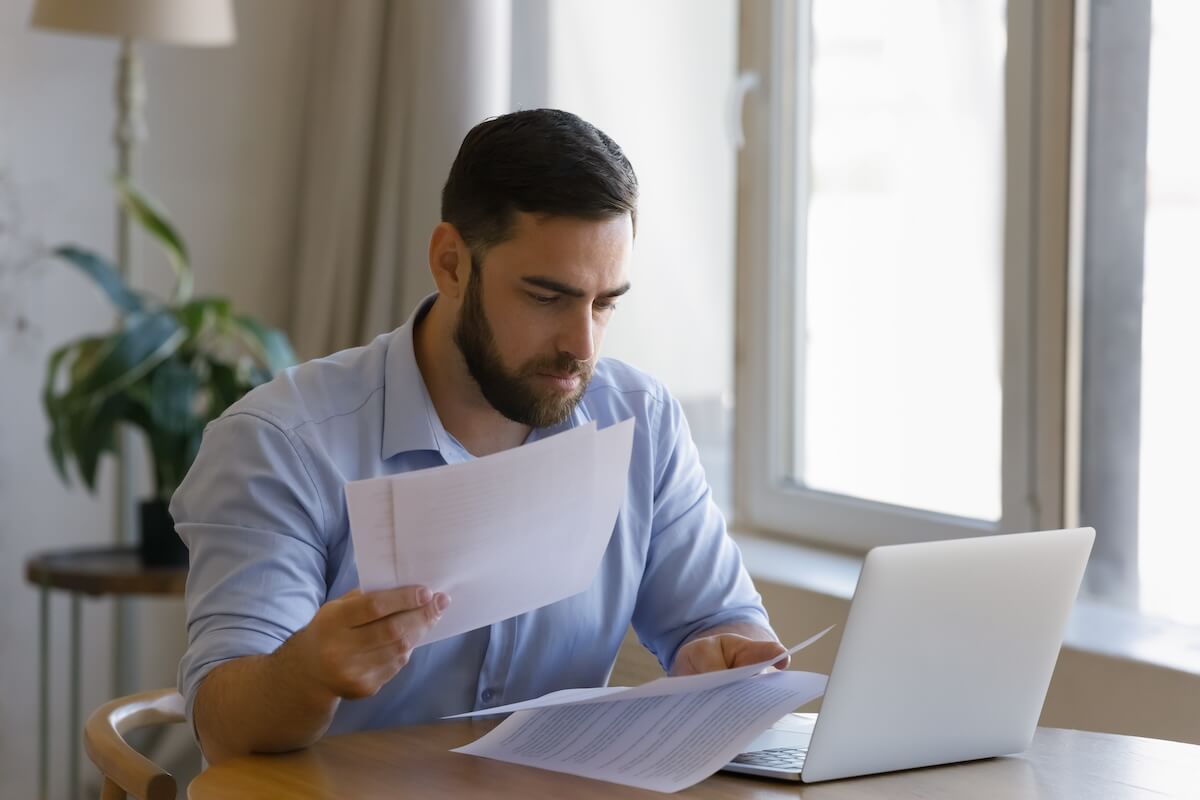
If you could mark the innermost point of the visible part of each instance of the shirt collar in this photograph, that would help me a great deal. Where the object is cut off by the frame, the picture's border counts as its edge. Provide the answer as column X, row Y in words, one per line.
column 410, row 421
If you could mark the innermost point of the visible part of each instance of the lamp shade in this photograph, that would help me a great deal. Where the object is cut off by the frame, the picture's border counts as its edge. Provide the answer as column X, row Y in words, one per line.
column 184, row 22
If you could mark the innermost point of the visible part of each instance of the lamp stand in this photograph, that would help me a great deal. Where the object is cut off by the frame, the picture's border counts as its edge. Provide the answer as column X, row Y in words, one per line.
column 130, row 130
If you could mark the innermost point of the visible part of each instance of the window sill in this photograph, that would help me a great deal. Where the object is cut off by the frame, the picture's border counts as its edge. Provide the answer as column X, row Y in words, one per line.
column 1093, row 627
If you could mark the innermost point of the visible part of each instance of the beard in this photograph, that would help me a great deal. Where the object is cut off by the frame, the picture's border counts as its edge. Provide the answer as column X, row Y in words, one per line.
column 516, row 395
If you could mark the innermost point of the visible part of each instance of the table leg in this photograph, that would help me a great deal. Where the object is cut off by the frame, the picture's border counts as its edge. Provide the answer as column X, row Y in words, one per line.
column 76, row 726
column 44, row 693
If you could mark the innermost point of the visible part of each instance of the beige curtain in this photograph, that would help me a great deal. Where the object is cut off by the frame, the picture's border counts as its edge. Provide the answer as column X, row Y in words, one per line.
column 395, row 85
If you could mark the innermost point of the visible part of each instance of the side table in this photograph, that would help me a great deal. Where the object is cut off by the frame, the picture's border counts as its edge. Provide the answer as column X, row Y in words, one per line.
column 94, row 572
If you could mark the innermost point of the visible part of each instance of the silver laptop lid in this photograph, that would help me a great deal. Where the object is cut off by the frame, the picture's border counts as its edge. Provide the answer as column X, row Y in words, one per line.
column 947, row 652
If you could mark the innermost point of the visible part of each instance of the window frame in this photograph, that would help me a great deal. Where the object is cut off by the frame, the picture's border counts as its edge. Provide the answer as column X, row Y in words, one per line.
column 1035, row 367
column 1108, row 268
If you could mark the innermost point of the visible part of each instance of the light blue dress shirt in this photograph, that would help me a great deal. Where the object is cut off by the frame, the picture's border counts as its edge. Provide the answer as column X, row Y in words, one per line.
column 263, row 513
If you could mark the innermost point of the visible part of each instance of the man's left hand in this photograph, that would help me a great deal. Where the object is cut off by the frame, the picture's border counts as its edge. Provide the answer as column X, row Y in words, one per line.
column 724, row 651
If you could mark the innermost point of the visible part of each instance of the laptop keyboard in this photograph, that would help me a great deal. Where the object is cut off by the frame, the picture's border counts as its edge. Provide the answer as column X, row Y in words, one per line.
column 776, row 757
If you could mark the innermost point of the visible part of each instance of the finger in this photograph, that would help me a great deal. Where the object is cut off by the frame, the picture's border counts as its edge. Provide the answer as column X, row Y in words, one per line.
column 369, row 607
column 403, row 630
column 742, row 652
column 700, row 655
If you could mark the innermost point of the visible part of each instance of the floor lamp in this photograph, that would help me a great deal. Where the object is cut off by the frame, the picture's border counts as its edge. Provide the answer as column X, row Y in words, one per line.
column 177, row 22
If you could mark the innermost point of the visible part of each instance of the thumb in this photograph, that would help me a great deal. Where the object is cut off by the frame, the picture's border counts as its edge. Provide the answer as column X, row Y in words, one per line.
column 750, row 651
column 700, row 655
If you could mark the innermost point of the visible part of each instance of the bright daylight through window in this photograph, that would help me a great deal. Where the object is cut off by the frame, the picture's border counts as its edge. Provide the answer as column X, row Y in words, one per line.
column 1168, row 533
column 899, row 356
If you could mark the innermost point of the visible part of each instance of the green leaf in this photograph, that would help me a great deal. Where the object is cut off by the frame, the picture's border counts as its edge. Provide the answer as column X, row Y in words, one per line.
column 192, row 449
column 173, row 388
column 88, row 352
column 155, row 221
column 92, row 434
column 104, row 274
column 48, row 385
column 224, row 388
column 58, row 453
column 133, row 411
column 146, row 341
column 140, row 397
column 203, row 313
column 169, row 452
column 50, row 402
column 271, row 346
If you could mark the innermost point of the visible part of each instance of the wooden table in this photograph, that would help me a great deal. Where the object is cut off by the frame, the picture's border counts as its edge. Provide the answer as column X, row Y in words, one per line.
column 415, row 762
column 94, row 572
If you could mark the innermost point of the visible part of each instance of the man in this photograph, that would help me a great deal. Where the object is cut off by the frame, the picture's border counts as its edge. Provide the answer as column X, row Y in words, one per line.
column 529, row 261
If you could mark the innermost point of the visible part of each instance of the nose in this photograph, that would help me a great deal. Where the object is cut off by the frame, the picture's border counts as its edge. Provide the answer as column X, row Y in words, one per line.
column 578, row 336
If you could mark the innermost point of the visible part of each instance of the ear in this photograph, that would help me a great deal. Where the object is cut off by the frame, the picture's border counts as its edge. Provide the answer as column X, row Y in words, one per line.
column 449, row 260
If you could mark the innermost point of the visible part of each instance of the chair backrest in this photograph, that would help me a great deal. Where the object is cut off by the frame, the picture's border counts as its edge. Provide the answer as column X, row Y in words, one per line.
column 125, row 770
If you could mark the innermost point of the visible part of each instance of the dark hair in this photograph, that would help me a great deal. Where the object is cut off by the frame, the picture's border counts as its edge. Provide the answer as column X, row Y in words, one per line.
column 541, row 161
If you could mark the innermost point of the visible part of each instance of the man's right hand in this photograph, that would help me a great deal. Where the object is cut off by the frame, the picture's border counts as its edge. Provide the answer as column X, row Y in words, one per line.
column 358, row 642
column 351, row 648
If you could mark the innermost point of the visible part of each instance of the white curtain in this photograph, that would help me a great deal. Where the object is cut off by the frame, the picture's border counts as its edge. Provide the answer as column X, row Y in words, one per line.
column 395, row 85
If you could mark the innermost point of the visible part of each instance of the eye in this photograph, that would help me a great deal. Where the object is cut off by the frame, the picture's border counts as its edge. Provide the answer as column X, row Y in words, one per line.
column 542, row 299
column 605, row 305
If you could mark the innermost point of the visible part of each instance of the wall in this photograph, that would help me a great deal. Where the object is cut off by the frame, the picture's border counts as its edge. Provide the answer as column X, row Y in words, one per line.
column 223, row 155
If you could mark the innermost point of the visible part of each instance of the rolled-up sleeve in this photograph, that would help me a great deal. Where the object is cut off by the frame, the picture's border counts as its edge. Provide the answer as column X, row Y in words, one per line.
column 252, row 518
column 694, row 579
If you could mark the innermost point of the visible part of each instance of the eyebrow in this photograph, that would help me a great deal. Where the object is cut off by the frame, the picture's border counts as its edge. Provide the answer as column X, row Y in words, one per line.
column 555, row 286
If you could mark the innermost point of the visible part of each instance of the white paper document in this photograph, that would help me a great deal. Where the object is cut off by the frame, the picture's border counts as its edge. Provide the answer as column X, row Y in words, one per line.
column 656, row 688
column 664, row 742
column 503, row 534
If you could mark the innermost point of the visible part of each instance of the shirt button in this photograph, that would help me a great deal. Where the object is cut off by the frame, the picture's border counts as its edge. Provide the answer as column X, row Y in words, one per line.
column 487, row 695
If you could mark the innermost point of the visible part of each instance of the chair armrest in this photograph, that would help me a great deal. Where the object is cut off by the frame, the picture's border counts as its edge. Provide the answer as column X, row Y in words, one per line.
column 104, row 740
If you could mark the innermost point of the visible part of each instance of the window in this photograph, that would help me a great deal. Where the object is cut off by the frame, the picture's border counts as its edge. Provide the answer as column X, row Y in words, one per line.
column 897, row 351
column 952, row 315
column 904, row 166
column 968, row 253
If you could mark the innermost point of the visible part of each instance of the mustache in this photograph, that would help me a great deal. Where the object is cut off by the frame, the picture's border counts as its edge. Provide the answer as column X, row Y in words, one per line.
column 562, row 364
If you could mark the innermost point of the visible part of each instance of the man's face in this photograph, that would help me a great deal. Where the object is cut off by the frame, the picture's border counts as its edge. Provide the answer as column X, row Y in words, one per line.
column 534, row 313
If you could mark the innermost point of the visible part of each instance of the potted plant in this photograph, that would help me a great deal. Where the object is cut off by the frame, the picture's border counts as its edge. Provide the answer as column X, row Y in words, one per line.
column 167, row 369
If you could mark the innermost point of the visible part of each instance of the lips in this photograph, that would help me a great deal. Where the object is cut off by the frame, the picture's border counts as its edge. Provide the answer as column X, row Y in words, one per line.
column 566, row 381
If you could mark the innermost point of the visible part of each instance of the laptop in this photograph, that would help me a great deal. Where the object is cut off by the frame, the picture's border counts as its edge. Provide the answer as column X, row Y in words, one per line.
column 946, row 656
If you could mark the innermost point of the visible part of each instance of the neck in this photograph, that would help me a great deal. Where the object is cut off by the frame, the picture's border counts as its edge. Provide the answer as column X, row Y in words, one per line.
column 463, row 410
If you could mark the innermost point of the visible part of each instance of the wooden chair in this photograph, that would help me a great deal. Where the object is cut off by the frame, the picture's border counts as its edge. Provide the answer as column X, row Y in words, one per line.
column 125, row 770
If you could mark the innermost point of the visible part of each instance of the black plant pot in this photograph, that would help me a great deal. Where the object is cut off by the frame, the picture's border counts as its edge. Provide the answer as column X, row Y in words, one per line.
column 159, row 544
